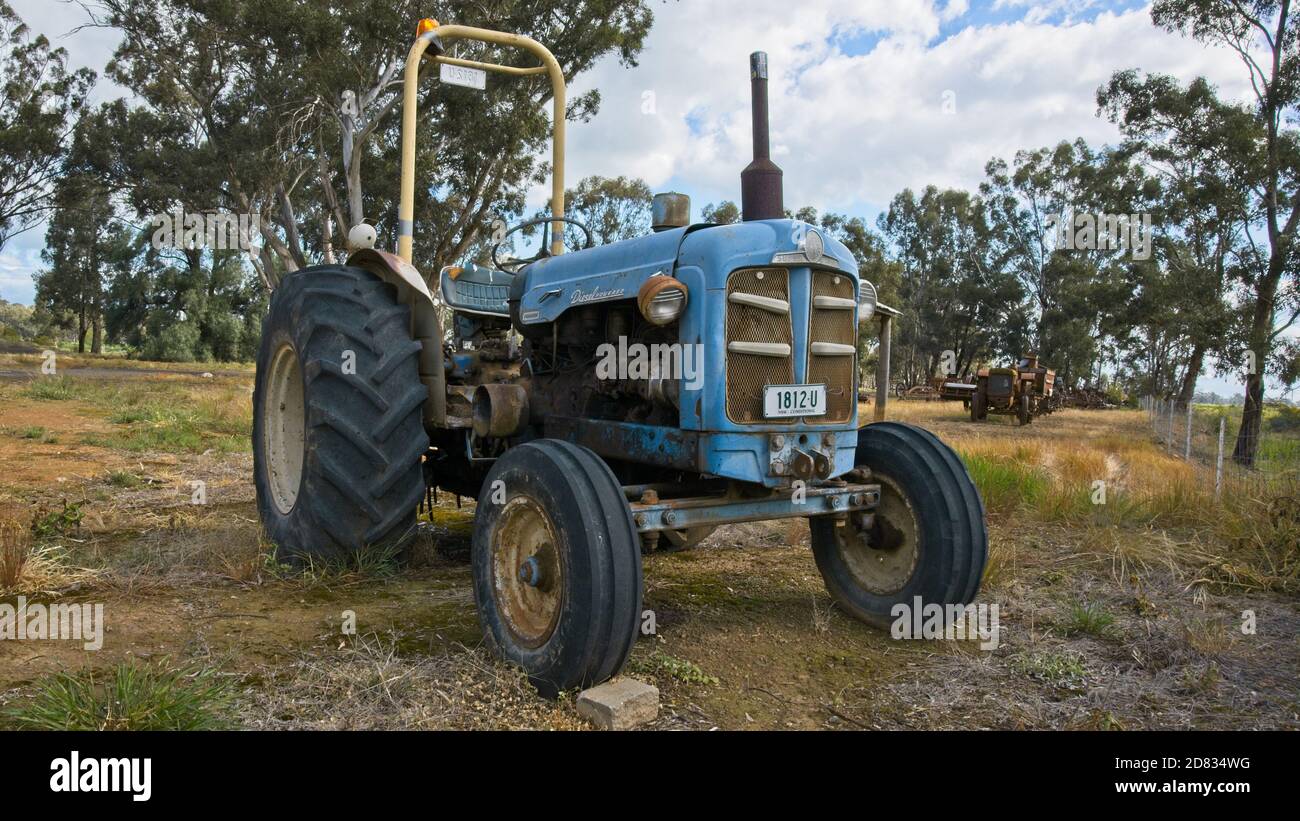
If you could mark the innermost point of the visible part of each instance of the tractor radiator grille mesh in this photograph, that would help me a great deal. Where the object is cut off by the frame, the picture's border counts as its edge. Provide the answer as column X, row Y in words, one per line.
column 837, row 326
column 747, row 374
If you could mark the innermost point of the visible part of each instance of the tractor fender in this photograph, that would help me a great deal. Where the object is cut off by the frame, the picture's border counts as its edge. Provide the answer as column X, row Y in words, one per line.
column 426, row 328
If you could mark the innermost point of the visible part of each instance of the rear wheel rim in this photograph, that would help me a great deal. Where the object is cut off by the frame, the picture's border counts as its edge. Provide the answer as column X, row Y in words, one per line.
column 284, row 428
column 883, row 558
column 527, row 572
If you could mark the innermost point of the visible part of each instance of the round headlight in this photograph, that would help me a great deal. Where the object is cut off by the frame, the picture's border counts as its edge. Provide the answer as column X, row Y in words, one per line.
column 866, row 300
column 812, row 245
column 661, row 300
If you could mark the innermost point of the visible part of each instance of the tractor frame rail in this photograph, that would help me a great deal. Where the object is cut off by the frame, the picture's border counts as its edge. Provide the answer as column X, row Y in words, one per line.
column 679, row 514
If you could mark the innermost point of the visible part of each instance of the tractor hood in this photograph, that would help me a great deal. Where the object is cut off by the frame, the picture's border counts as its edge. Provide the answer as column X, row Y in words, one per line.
column 607, row 273
column 614, row 272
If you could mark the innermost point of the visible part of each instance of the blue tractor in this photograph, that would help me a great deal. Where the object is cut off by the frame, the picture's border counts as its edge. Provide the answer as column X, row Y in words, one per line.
column 602, row 402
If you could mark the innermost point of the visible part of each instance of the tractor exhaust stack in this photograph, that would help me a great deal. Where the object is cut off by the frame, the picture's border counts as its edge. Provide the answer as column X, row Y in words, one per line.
column 760, row 182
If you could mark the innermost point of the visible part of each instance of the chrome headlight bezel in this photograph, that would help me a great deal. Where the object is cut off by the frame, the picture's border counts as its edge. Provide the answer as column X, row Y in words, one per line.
column 811, row 244
column 662, row 300
column 866, row 301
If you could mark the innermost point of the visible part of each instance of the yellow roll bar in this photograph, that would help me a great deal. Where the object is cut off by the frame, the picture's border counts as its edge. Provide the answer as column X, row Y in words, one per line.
column 411, row 81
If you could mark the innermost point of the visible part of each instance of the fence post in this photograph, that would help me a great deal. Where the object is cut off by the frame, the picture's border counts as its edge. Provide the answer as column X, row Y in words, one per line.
column 1170, row 438
column 1218, row 462
column 1187, row 449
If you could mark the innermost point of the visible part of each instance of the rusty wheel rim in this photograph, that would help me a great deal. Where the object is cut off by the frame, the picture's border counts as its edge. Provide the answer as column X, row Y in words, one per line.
column 883, row 558
column 527, row 572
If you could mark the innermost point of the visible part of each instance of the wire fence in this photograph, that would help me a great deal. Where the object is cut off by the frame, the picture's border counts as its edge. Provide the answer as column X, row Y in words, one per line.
column 1206, row 437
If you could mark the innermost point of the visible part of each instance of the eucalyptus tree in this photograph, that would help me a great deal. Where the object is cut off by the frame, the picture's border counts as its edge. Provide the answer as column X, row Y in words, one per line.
column 40, row 98
column 295, row 106
column 614, row 208
column 958, row 301
column 1259, row 142
column 1200, row 148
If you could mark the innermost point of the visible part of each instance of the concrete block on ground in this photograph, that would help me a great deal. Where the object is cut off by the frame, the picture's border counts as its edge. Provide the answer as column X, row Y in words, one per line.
column 620, row 704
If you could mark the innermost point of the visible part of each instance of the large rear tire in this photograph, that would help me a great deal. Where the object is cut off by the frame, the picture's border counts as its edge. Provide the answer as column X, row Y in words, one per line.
column 557, row 565
column 338, row 434
column 928, row 538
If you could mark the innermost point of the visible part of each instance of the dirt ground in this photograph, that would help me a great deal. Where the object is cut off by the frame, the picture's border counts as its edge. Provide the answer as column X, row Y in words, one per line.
column 1103, row 626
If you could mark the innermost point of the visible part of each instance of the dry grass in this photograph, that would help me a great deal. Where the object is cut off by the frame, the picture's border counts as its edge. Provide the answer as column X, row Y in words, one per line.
column 15, row 553
column 29, row 568
column 173, row 415
column 1209, row 637
column 73, row 360
column 1134, row 508
column 1120, row 614
column 368, row 683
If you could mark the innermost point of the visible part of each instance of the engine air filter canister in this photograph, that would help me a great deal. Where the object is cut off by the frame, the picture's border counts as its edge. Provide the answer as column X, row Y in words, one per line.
column 670, row 210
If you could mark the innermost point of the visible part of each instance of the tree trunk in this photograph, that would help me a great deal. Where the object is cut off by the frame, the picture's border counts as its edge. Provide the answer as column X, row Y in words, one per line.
column 1243, row 453
column 81, row 330
column 1261, row 340
column 1188, row 388
column 289, row 221
column 97, row 334
column 327, row 239
column 354, row 189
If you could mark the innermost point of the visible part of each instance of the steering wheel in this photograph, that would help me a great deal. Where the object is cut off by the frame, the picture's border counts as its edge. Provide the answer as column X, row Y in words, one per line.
column 544, row 252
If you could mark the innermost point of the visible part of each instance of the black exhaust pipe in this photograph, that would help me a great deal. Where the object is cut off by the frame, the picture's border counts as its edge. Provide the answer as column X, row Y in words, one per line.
column 760, row 183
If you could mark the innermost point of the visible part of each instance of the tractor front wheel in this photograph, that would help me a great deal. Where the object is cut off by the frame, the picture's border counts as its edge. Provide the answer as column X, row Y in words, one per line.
column 927, row 538
column 557, row 565
column 1024, row 413
column 338, row 434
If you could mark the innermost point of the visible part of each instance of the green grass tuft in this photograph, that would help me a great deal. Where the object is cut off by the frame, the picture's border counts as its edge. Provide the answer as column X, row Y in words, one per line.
column 662, row 664
column 131, row 697
column 123, row 478
column 167, row 420
column 1090, row 619
column 55, row 388
column 1006, row 484
column 1061, row 668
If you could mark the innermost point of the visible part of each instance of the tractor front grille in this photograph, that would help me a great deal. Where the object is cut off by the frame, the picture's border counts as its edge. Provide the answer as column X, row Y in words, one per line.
column 748, row 373
column 834, row 323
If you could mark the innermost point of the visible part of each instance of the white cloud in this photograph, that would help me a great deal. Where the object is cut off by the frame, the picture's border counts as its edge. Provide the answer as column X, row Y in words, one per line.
column 852, row 129
column 953, row 10
column 60, row 21
column 19, row 259
column 857, row 93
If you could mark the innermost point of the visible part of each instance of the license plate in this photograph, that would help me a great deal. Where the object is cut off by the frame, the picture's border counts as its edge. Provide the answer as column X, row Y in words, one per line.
column 794, row 400
column 461, row 76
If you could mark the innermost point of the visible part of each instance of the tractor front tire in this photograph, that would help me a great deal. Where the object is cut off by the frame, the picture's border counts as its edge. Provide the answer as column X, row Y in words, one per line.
column 1024, row 413
column 928, row 537
column 557, row 565
column 338, row 434
column 978, row 407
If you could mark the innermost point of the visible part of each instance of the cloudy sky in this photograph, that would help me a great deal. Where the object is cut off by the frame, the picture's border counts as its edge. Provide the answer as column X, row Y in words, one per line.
column 858, row 94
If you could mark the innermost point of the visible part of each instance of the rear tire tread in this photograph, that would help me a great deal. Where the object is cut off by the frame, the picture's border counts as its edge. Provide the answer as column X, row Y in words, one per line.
column 362, row 478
